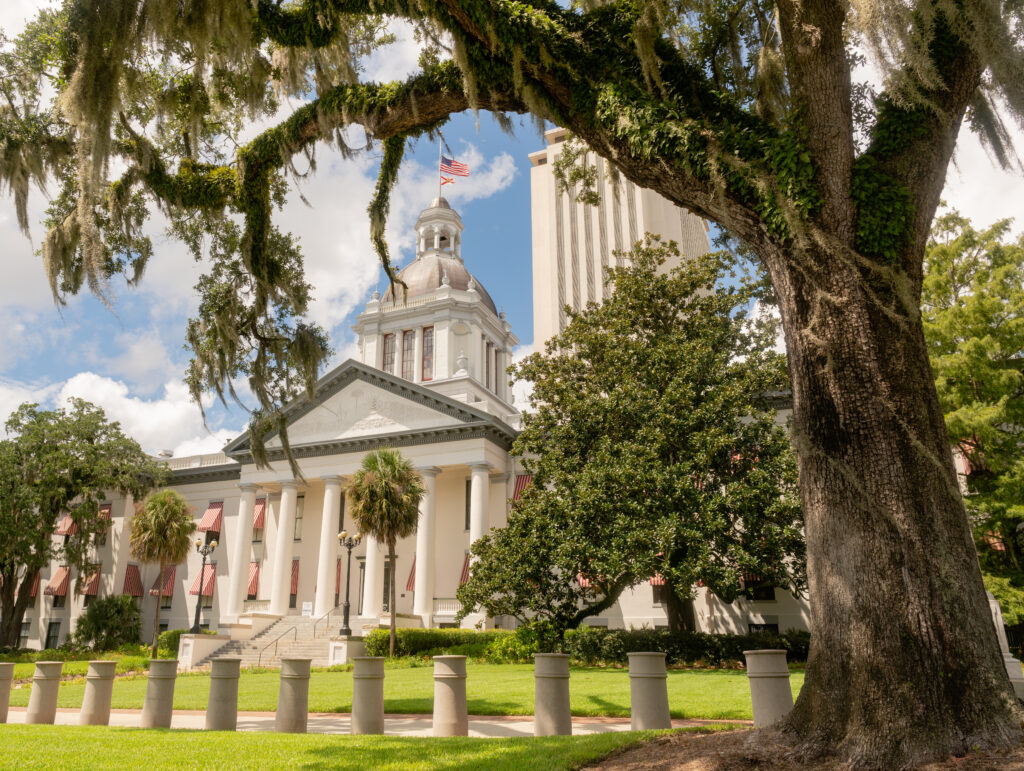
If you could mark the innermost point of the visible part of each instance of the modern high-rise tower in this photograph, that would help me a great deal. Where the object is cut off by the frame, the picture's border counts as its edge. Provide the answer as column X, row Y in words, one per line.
column 573, row 243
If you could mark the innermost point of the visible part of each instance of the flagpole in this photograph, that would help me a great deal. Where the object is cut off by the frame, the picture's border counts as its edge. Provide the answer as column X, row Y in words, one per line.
column 439, row 167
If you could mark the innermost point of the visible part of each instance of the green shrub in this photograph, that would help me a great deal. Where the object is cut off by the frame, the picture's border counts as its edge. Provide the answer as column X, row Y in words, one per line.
column 515, row 648
column 108, row 623
column 168, row 641
column 435, row 642
column 595, row 645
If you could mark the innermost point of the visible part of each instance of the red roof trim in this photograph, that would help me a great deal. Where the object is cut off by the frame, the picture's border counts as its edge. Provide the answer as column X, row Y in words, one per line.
column 132, row 582
column 66, row 526
column 209, row 581
column 92, row 583
column 213, row 518
column 167, row 582
column 58, row 586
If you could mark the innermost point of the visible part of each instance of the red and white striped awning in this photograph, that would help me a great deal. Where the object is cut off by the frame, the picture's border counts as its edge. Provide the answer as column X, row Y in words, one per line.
column 213, row 517
column 752, row 578
column 522, row 480
column 295, row 576
column 91, row 587
column 164, row 585
column 657, row 580
column 58, row 586
column 132, row 581
column 66, row 526
column 995, row 541
column 464, row 577
column 105, row 509
column 259, row 514
column 410, row 585
column 35, row 588
column 337, row 578
column 254, row 578
column 209, row 580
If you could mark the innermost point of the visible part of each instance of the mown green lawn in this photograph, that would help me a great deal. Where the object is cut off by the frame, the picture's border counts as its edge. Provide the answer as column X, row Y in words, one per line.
column 74, row 747
column 24, row 670
column 492, row 689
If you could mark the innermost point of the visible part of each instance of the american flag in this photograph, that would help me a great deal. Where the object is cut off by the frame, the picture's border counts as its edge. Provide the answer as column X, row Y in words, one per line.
column 452, row 166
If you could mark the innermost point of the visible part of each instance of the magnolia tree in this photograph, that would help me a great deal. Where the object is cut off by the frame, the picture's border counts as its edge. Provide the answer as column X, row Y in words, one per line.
column 58, row 466
column 655, row 451
column 743, row 111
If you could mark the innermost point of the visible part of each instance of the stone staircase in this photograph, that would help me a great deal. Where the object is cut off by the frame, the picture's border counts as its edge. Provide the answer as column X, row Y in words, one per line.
column 289, row 637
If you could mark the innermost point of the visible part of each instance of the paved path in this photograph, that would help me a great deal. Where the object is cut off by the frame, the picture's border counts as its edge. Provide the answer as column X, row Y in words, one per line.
column 395, row 725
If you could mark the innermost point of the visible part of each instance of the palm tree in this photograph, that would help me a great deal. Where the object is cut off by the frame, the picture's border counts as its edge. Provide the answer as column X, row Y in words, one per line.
column 385, row 496
column 162, row 531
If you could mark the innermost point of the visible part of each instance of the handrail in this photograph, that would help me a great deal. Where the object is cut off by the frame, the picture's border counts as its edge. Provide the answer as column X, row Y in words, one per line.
column 324, row 617
column 275, row 641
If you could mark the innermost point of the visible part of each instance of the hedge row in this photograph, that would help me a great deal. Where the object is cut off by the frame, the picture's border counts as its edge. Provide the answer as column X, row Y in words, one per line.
column 418, row 642
column 590, row 645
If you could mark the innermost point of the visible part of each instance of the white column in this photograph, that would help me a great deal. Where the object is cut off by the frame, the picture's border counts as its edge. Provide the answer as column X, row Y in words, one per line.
column 373, row 586
column 281, row 578
column 238, row 577
column 326, row 561
column 417, row 352
column 479, row 497
column 423, row 599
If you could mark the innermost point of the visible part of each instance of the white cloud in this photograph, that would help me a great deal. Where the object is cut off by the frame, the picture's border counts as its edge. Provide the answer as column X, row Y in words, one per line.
column 172, row 421
column 14, row 394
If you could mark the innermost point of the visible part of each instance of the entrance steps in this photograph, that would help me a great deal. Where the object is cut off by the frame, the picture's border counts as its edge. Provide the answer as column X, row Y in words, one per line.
column 288, row 637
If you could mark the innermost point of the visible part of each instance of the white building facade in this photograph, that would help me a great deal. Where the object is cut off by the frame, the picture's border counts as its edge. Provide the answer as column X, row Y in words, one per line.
column 429, row 381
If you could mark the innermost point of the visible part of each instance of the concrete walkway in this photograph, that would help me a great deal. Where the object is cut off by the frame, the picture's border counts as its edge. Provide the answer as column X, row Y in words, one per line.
column 394, row 725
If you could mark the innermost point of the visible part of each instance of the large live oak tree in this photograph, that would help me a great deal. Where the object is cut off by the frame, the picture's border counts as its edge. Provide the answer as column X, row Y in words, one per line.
column 743, row 111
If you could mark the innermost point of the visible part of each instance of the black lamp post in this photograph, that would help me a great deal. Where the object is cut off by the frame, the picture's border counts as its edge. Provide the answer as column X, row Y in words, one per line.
column 349, row 543
column 206, row 550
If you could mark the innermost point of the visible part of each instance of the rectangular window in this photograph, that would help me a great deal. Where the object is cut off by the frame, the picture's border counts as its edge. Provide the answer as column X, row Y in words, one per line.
column 408, row 354
column 388, row 360
column 497, row 371
column 469, row 496
column 207, row 600
column 165, row 602
column 87, row 600
column 659, row 591
column 769, row 628
column 341, row 512
column 487, row 367
column 60, row 600
column 164, row 625
column 257, row 535
column 300, row 505
column 761, row 593
column 26, row 627
column 292, row 600
column 427, row 366
column 362, row 585
column 52, row 635
column 386, row 604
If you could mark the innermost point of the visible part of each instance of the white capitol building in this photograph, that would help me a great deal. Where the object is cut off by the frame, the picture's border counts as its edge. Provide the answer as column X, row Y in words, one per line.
column 430, row 381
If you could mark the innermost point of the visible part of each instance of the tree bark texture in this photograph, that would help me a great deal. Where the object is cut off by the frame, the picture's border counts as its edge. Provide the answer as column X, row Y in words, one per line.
column 904, row 663
column 14, row 600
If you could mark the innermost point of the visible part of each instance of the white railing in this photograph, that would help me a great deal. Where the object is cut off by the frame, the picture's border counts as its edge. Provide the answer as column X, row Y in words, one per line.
column 446, row 606
column 198, row 461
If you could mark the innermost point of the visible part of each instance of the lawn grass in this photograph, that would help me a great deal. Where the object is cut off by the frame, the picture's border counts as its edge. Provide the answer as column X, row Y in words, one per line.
column 24, row 670
column 491, row 689
column 75, row 747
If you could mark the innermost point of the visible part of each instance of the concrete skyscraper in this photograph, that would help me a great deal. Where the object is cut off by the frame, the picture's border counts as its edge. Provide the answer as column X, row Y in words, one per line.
column 573, row 243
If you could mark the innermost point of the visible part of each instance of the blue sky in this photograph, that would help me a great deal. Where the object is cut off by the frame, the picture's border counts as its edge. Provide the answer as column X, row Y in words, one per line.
column 130, row 360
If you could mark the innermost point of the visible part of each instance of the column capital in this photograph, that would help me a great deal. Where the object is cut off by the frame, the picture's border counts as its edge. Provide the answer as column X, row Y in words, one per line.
column 480, row 465
column 428, row 471
column 292, row 483
column 246, row 487
column 500, row 476
column 332, row 479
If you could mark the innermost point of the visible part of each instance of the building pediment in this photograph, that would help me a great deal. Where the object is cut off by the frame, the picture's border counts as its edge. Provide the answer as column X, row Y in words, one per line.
column 357, row 405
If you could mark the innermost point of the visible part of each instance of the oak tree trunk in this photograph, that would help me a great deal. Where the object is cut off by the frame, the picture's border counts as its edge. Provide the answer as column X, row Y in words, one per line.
column 14, row 601
column 904, row 664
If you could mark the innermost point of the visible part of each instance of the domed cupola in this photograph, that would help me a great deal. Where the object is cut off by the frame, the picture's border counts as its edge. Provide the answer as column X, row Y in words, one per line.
column 438, row 260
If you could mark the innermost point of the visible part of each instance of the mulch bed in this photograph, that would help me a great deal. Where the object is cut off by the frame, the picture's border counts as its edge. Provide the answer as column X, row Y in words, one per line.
column 749, row 751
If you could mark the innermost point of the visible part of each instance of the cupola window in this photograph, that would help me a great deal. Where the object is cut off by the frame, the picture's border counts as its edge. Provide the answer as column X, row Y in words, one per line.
column 388, row 363
column 408, row 354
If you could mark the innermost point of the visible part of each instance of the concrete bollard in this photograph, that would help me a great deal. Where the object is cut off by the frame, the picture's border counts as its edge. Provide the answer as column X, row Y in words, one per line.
column 293, row 697
column 6, row 676
column 450, row 714
column 99, row 689
column 158, row 706
column 648, row 692
column 551, row 704
column 368, row 695
column 770, row 693
column 222, row 706
column 42, row 703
